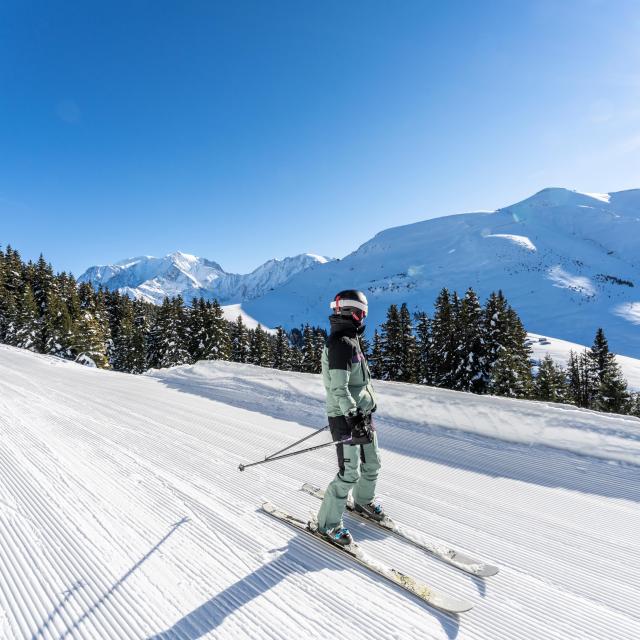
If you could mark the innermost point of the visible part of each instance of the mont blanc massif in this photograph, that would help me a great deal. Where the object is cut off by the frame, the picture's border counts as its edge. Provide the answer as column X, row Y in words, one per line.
column 568, row 262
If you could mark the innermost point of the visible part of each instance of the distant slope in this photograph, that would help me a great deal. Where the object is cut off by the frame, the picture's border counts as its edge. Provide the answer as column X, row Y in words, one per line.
column 123, row 515
column 568, row 262
column 153, row 279
column 559, row 350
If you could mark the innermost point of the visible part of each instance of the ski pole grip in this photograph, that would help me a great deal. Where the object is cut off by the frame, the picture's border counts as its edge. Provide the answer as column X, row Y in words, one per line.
column 241, row 467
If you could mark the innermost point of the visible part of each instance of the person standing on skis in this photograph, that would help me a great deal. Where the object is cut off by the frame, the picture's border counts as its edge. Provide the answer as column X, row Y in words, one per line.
column 351, row 402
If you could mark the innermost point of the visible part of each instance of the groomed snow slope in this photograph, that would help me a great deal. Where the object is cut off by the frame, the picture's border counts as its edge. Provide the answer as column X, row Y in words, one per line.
column 123, row 515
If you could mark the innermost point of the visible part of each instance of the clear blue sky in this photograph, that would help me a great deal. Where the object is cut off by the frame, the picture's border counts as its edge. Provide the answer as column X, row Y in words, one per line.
column 241, row 131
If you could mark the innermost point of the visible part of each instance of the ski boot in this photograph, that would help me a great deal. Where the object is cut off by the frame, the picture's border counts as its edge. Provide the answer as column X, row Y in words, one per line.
column 371, row 510
column 338, row 536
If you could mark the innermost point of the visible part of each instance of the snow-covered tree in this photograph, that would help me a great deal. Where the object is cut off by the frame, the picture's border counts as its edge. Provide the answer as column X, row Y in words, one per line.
column 260, row 348
column 282, row 357
column 320, row 337
column 168, row 345
column 391, row 339
column 582, row 379
column 408, row 371
column 308, row 351
column 58, row 326
column 443, row 340
column 376, row 360
column 611, row 395
column 27, row 331
column 218, row 343
column 508, row 356
column 469, row 358
column 633, row 405
column 424, row 367
column 239, row 341
column 550, row 383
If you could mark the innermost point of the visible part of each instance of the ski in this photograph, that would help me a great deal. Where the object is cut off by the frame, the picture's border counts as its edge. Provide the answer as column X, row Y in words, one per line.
column 447, row 554
column 440, row 601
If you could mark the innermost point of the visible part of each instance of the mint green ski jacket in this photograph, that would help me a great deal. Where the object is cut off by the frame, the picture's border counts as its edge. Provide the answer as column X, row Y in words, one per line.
column 345, row 372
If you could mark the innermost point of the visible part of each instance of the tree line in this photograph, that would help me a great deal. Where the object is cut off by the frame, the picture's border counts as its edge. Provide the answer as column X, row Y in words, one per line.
column 463, row 345
column 466, row 346
column 53, row 314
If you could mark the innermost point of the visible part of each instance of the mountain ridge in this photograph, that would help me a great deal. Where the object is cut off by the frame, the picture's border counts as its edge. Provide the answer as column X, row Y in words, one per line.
column 178, row 273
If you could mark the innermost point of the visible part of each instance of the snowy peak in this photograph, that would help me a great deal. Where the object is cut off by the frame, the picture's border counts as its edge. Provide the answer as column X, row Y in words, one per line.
column 558, row 197
column 152, row 279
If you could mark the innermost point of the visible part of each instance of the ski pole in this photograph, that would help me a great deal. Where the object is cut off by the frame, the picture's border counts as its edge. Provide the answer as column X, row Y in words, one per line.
column 297, row 442
column 242, row 467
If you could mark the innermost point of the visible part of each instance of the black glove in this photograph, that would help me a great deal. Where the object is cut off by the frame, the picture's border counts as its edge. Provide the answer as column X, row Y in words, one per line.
column 360, row 425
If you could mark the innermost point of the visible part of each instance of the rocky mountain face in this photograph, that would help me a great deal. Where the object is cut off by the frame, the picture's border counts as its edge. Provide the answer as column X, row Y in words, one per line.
column 152, row 279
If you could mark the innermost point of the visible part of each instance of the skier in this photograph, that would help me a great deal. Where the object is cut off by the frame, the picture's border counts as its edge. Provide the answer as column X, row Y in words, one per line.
column 350, row 404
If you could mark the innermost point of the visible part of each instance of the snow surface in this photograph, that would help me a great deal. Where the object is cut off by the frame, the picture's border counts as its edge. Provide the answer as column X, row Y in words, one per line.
column 521, row 241
column 123, row 515
column 232, row 311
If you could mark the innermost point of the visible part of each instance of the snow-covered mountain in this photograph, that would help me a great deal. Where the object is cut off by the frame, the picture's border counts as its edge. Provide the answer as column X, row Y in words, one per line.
column 152, row 279
column 568, row 262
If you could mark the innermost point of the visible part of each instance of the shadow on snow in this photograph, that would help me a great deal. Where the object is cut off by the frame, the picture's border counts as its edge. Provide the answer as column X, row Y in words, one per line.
column 293, row 559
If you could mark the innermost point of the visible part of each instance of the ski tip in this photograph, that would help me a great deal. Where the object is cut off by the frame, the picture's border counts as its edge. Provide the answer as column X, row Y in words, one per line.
column 269, row 507
column 458, row 606
column 488, row 570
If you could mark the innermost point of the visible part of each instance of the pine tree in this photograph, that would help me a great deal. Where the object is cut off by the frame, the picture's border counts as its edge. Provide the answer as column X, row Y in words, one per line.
column 239, row 341
column 508, row 364
column 583, row 379
column 365, row 345
column 27, row 321
column 281, row 351
column 123, row 332
column 139, row 337
column 573, row 378
column 308, row 354
column 551, row 382
column 89, row 340
column 391, row 339
column 319, row 338
column 218, row 343
column 8, row 316
column 260, row 348
column 469, row 359
column 58, row 326
column 12, row 285
column 495, row 313
column 43, row 284
column 376, row 362
column 443, row 341
column 633, row 405
column 198, row 334
column 168, row 345
column 423, row 348
column 611, row 394
column 408, row 372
